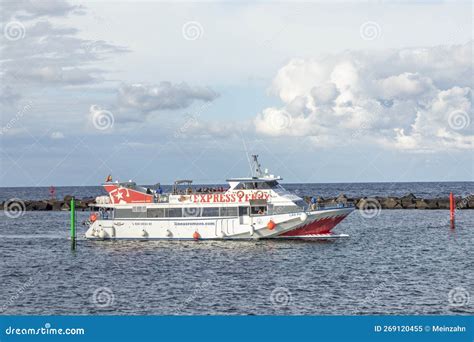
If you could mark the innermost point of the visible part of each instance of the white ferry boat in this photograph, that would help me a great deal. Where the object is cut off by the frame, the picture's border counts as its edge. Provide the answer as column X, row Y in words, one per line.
column 256, row 207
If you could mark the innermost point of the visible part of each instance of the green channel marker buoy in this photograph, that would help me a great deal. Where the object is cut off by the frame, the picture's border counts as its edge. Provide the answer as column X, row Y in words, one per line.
column 73, row 223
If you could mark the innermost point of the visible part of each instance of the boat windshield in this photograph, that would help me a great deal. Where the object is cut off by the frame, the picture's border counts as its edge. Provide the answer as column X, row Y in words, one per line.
column 258, row 185
column 302, row 204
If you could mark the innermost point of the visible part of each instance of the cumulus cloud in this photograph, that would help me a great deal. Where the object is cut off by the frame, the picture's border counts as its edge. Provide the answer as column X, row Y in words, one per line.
column 398, row 98
column 404, row 86
column 164, row 95
column 42, row 60
column 36, row 52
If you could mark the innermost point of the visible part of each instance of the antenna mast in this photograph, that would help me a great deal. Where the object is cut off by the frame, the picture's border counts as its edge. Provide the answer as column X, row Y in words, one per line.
column 246, row 153
column 257, row 171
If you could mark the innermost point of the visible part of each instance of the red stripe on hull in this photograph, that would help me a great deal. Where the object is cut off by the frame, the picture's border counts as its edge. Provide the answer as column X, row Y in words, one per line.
column 321, row 226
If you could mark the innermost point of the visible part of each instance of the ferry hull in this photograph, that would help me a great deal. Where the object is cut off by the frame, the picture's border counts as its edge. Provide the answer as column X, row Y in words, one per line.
column 292, row 225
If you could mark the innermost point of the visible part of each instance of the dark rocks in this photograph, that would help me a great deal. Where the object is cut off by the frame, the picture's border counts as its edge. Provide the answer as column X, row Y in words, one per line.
column 56, row 205
column 359, row 203
column 341, row 199
column 442, row 203
column 408, row 201
column 408, row 205
column 421, row 204
column 462, row 203
column 48, row 205
column 470, row 201
column 408, row 196
column 37, row 205
column 391, row 203
column 431, row 203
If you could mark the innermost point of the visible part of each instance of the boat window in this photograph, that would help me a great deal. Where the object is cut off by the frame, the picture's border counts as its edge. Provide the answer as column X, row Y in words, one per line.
column 243, row 211
column 228, row 211
column 122, row 213
column 192, row 212
column 246, row 186
column 156, row 212
column 258, row 185
column 211, row 211
column 139, row 209
column 258, row 210
column 174, row 212
column 268, row 185
column 302, row 204
column 284, row 209
column 128, row 213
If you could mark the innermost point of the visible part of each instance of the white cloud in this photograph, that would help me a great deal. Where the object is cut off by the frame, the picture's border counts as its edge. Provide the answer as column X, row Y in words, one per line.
column 404, row 86
column 148, row 98
column 400, row 98
column 57, row 135
column 36, row 52
column 56, row 75
column 30, row 9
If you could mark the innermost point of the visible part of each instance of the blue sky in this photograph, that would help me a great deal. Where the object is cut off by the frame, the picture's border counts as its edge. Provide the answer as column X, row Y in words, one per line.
column 155, row 91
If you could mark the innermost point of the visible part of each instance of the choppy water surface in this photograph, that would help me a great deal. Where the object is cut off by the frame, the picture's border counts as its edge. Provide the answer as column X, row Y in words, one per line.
column 399, row 262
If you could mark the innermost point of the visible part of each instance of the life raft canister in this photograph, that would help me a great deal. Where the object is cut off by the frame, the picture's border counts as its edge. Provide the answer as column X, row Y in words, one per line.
column 271, row 225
